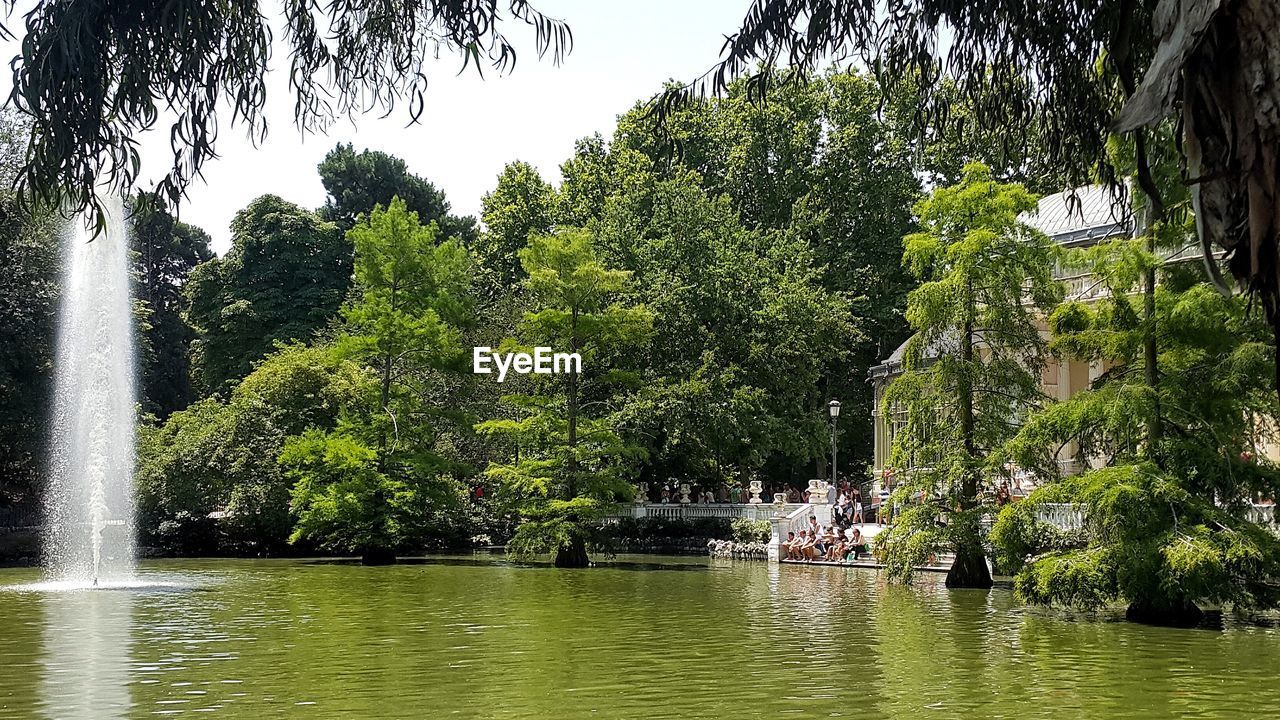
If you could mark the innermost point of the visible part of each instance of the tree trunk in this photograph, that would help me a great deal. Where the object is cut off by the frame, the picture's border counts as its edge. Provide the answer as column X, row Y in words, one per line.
column 385, row 395
column 1150, row 352
column 970, row 567
column 572, row 554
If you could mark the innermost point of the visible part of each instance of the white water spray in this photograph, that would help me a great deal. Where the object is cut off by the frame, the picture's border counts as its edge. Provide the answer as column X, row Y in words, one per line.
column 89, row 505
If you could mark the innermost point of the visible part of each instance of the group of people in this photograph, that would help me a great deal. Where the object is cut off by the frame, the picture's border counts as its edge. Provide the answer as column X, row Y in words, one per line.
column 834, row 543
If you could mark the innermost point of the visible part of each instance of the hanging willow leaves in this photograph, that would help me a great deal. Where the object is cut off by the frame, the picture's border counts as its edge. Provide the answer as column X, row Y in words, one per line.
column 93, row 75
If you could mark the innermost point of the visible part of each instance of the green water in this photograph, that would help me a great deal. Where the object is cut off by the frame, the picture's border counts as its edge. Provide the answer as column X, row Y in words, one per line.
column 650, row 638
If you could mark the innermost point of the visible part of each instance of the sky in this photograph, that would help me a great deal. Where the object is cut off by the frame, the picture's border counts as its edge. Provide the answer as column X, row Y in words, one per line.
column 623, row 52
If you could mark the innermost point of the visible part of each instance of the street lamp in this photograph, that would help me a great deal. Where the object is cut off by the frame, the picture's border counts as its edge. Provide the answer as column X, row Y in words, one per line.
column 833, row 407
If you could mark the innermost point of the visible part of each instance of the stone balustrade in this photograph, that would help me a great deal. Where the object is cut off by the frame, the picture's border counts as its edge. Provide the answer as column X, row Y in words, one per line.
column 681, row 511
column 1064, row 516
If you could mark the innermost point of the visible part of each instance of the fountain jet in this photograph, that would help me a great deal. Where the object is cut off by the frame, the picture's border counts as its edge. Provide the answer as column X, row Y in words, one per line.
column 89, row 505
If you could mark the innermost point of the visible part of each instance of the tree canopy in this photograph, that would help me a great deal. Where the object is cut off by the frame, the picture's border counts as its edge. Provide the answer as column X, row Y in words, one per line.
column 1066, row 74
column 356, row 183
column 285, row 276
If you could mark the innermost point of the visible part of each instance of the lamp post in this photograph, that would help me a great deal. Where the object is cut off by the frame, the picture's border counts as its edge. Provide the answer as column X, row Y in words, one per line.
column 833, row 408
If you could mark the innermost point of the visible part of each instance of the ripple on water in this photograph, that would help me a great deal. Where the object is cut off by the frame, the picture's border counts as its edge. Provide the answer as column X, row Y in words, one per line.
column 479, row 638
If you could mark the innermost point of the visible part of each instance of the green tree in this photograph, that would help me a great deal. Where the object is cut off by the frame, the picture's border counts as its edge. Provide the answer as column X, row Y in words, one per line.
column 284, row 278
column 165, row 251
column 1166, row 528
column 29, row 286
column 744, row 331
column 971, row 368
column 820, row 164
column 219, row 458
column 571, row 463
column 356, row 183
column 372, row 484
column 522, row 204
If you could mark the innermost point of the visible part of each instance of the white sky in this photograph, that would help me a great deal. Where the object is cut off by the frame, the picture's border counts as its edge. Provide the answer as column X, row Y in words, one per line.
column 471, row 128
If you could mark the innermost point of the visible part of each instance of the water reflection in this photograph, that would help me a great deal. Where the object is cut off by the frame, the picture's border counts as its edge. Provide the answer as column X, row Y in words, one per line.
column 735, row 640
column 87, row 639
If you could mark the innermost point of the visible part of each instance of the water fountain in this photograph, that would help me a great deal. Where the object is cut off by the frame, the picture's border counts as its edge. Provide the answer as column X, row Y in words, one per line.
column 89, row 505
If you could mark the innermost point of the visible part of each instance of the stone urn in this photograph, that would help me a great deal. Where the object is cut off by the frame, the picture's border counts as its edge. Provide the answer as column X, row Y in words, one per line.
column 780, row 504
column 642, row 492
column 818, row 492
column 757, row 487
column 684, row 493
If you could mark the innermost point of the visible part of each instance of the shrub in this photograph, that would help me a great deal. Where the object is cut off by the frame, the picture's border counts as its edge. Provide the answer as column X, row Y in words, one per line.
column 746, row 530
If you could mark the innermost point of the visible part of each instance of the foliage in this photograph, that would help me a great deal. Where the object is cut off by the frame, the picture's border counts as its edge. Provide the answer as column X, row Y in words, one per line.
column 376, row 483
column 971, row 368
column 29, row 286
column 1015, row 66
column 746, row 530
column 165, row 251
column 283, row 279
column 346, row 502
column 1166, row 530
column 1119, row 65
column 356, row 183
column 820, row 171
column 93, row 76
column 1149, row 542
column 522, row 204
column 220, row 457
column 570, row 464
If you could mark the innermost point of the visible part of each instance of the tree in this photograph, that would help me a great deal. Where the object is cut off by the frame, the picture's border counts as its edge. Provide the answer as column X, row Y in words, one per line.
column 219, row 458
column 522, row 204
column 92, row 91
column 284, row 278
column 369, row 486
column 820, row 165
column 1022, row 63
column 571, row 464
column 971, row 368
column 1178, row 450
column 165, row 253
column 356, row 183
column 744, row 331
column 29, row 287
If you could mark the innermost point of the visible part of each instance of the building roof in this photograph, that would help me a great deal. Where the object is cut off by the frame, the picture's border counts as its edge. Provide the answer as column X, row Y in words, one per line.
column 1081, row 216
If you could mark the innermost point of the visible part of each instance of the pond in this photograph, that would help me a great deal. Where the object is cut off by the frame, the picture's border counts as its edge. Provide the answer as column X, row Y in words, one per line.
column 643, row 637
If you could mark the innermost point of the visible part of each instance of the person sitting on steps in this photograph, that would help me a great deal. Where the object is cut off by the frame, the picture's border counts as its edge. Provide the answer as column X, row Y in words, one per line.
column 791, row 546
column 856, row 543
